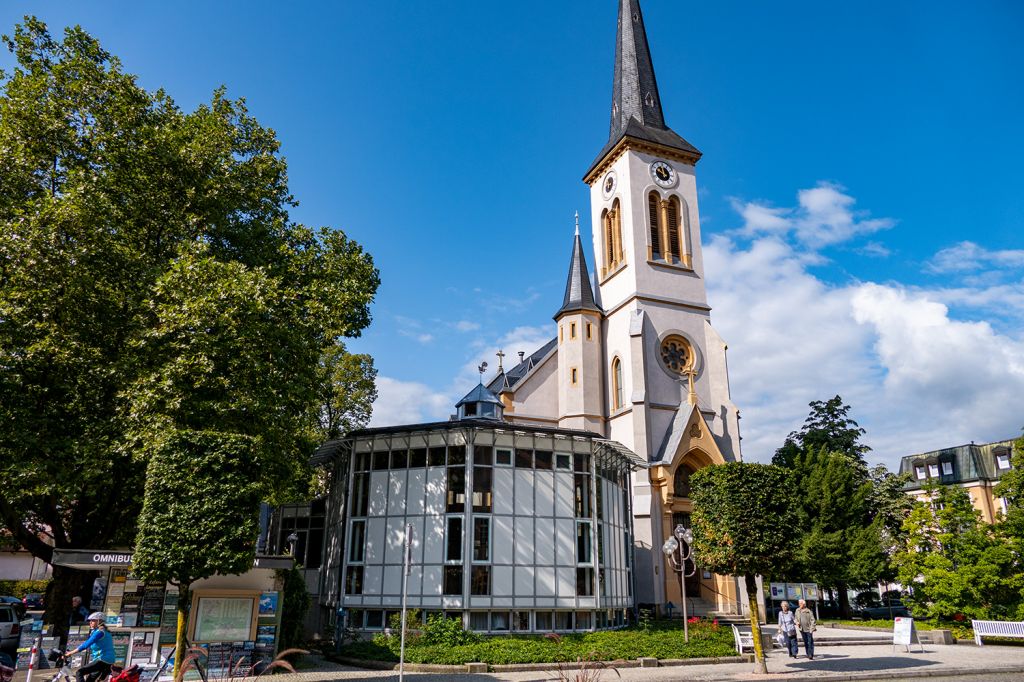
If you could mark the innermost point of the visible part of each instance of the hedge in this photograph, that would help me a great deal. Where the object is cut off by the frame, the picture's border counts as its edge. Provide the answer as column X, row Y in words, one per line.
column 19, row 588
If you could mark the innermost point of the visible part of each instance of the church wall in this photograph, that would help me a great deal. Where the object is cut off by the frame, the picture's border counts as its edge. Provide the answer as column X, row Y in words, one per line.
column 537, row 396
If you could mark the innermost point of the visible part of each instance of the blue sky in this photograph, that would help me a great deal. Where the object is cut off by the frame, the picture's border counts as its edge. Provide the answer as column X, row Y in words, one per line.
column 861, row 202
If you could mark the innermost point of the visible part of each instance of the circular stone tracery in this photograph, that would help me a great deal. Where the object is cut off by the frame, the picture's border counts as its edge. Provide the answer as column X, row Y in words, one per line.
column 676, row 354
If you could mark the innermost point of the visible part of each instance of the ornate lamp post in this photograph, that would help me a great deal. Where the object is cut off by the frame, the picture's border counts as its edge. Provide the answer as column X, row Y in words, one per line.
column 678, row 550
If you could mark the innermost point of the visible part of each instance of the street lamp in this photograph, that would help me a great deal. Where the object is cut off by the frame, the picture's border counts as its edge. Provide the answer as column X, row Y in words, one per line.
column 678, row 550
column 291, row 540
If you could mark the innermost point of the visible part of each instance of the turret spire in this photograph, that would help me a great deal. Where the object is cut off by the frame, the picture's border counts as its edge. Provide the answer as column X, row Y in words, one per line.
column 636, row 102
column 579, row 295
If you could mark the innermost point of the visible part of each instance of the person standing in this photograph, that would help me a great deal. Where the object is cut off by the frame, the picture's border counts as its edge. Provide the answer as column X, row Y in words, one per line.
column 806, row 624
column 787, row 627
column 101, row 650
column 78, row 612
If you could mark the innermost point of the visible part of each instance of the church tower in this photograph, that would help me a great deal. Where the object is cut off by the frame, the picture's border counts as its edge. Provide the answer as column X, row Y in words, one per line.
column 667, row 390
column 579, row 349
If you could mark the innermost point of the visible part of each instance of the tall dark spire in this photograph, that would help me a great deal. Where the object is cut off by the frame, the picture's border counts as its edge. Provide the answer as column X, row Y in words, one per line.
column 579, row 295
column 636, row 102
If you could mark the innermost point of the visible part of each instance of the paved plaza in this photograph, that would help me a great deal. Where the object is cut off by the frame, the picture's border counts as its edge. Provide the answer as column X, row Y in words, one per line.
column 838, row 662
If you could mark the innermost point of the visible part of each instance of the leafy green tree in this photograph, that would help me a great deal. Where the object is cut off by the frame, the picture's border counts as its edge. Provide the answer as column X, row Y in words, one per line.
column 954, row 562
column 103, row 187
column 828, row 426
column 1011, row 488
column 210, row 482
column 744, row 523
column 832, row 511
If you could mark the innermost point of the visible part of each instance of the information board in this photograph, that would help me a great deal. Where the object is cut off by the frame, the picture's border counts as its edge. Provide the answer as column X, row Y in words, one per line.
column 904, row 632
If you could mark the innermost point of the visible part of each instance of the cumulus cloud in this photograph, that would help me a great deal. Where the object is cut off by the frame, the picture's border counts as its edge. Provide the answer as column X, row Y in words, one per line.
column 916, row 377
column 408, row 402
column 467, row 326
column 968, row 256
column 824, row 216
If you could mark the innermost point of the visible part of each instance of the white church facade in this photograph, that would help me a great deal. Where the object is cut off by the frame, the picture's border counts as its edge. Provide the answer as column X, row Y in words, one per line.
column 629, row 397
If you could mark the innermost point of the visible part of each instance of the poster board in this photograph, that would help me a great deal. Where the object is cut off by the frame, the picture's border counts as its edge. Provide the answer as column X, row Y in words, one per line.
column 143, row 645
column 904, row 632
column 794, row 591
column 777, row 591
column 223, row 617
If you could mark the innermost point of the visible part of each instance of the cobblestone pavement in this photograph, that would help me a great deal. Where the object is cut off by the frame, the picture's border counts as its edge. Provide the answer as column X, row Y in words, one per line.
column 840, row 662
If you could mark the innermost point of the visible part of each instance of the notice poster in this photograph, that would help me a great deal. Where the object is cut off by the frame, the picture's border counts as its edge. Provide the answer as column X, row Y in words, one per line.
column 130, row 604
column 169, row 620
column 152, row 605
column 268, row 604
column 794, row 591
column 115, row 595
column 242, row 658
column 142, row 647
column 778, row 591
column 904, row 632
column 77, row 634
column 810, row 592
column 122, row 639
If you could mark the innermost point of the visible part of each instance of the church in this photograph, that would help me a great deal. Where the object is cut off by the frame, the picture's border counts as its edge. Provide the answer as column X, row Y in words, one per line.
column 544, row 502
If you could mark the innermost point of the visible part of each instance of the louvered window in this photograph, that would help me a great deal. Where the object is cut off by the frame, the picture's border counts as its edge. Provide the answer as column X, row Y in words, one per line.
column 673, row 230
column 653, row 212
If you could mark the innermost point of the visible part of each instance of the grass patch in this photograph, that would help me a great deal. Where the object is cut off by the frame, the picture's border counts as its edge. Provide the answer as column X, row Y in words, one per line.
column 959, row 630
column 707, row 640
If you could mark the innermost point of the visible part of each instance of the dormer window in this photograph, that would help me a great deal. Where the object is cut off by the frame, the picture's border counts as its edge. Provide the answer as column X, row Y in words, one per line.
column 947, row 468
column 933, row 470
column 1003, row 461
column 919, row 473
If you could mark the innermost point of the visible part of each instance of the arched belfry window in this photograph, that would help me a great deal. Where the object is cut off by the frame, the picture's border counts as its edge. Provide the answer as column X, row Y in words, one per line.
column 617, row 391
column 668, row 229
column 654, row 216
column 611, row 224
column 681, row 481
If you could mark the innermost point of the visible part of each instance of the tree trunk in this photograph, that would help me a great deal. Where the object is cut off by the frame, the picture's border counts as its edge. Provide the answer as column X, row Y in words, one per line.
column 181, row 647
column 755, row 625
column 844, row 600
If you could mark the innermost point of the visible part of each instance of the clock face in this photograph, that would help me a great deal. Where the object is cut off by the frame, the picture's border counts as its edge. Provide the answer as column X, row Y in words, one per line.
column 663, row 174
column 609, row 184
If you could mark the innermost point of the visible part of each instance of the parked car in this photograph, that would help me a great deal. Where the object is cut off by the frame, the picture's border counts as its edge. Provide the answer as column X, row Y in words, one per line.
column 19, row 608
column 33, row 600
column 10, row 628
column 884, row 610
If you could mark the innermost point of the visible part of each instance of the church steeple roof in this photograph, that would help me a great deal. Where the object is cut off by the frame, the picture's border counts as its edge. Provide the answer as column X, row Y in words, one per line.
column 579, row 295
column 636, row 102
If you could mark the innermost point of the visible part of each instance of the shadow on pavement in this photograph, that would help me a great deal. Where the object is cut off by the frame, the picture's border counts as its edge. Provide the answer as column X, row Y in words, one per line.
column 837, row 663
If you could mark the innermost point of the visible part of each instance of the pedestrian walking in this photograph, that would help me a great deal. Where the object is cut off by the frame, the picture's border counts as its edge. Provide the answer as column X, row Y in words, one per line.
column 806, row 624
column 787, row 629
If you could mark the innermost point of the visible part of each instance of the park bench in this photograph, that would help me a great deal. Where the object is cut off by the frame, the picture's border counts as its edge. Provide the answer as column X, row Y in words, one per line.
column 996, row 628
column 744, row 639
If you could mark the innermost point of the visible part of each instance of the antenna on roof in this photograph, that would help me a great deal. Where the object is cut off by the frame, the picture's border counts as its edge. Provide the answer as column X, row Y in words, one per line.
column 482, row 368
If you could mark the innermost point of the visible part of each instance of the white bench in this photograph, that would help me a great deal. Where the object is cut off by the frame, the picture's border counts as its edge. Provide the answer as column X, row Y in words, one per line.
column 996, row 628
column 744, row 639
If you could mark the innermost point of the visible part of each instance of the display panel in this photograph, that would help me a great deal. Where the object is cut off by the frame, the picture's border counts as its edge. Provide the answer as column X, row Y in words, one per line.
column 223, row 619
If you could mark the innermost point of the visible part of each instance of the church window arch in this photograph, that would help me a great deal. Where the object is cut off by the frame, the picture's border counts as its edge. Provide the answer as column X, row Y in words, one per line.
column 674, row 236
column 617, row 389
column 681, row 480
column 653, row 215
column 611, row 226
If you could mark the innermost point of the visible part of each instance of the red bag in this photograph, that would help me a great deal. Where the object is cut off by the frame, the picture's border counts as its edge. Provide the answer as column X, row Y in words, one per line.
column 131, row 674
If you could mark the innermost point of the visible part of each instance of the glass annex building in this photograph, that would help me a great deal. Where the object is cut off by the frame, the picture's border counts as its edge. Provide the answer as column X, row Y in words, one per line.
column 514, row 528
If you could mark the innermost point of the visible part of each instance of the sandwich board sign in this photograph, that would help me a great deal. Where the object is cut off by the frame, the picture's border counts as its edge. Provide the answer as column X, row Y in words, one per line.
column 904, row 632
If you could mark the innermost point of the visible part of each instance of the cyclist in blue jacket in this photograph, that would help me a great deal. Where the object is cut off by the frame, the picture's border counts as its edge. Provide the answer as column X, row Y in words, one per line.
column 101, row 650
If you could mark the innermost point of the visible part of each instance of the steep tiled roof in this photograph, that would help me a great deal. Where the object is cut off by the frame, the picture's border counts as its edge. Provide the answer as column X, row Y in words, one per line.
column 636, row 102
column 511, row 377
column 579, row 295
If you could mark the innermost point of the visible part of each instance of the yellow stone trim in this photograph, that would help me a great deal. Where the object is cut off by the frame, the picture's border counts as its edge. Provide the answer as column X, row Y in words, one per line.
column 627, row 143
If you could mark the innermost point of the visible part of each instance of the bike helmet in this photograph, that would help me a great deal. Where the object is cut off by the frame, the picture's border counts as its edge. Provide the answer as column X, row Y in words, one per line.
column 102, row 618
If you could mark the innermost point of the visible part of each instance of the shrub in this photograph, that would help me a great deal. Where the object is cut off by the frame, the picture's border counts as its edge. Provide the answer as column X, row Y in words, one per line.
column 19, row 588
column 446, row 632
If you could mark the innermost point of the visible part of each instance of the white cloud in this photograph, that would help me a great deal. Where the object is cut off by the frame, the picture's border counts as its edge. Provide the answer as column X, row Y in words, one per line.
column 526, row 339
column 968, row 256
column 875, row 250
column 824, row 216
column 916, row 378
column 408, row 402
column 421, row 337
column 467, row 326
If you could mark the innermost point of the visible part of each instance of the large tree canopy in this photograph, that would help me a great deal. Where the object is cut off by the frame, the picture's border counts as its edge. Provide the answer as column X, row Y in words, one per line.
column 745, row 523
column 828, row 426
column 125, row 226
